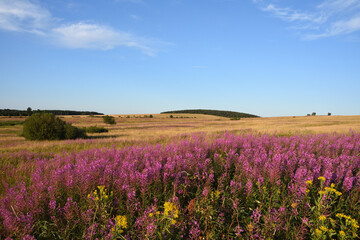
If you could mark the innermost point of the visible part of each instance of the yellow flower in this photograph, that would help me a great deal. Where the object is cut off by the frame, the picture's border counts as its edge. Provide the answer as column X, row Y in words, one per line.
column 322, row 179
column 250, row 227
column 309, row 182
column 322, row 218
column 121, row 223
column 151, row 214
column 217, row 193
column 338, row 193
column 318, row 232
column 169, row 207
column 322, row 192
column 355, row 224
column 325, row 229
column 342, row 233
column 294, row 205
column 332, row 185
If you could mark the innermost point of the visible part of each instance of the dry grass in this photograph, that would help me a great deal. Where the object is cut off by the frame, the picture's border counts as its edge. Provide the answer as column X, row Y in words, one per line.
column 136, row 129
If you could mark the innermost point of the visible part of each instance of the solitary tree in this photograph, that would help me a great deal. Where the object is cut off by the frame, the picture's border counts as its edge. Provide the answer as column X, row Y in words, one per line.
column 29, row 111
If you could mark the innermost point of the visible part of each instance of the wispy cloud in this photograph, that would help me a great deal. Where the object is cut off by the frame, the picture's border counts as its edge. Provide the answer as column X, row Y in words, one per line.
column 329, row 18
column 135, row 17
column 132, row 1
column 25, row 16
column 337, row 28
column 291, row 15
column 94, row 36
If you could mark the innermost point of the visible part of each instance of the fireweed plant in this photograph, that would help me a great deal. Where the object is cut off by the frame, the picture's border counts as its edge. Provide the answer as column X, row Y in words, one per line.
column 228, row 187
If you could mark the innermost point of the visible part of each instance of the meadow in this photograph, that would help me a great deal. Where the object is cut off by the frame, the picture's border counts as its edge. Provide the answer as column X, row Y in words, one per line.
column 186, row 177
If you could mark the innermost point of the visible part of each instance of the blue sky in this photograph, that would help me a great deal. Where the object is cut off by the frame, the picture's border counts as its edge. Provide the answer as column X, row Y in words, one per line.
column 265, row 57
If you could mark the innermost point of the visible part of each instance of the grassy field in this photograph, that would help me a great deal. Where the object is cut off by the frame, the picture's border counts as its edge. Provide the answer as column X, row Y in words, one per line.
column 137, row 129
column 185, row 177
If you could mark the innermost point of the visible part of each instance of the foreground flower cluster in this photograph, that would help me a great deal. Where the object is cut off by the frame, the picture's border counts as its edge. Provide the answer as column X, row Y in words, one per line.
column 230, row 187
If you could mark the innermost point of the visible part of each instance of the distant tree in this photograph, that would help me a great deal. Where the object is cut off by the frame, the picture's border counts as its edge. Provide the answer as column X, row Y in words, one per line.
column 308, row 114
column 313, row 114
column 109, row 119
column 171, row 116
column 151, row 116
column 29, row 111
column 329, row 114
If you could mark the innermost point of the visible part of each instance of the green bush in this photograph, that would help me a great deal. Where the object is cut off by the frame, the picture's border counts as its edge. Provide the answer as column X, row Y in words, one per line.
column 109, row 119
column 46, row 126
column 96, row 129
column 72, row 132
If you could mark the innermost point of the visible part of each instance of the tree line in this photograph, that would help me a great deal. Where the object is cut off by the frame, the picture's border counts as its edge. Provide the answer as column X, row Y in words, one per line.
column 29, row 112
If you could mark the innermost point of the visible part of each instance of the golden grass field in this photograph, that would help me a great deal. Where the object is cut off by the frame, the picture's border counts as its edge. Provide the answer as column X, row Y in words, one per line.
column 135, row 129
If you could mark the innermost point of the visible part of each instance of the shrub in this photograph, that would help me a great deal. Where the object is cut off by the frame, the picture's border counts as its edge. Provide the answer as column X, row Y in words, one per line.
column 313, row 114
column 46, row 126
column 72, row 132
column 96, row 129
column 329, row 114
column 109, row 119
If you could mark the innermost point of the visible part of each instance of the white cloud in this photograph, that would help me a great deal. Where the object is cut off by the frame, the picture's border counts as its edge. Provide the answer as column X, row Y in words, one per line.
column 135, row 17
column 291, row 15
column 94, row 36
column 329, row 18
column 337, row 28
column 336, row 6
column 23, row 16
column 132, row 1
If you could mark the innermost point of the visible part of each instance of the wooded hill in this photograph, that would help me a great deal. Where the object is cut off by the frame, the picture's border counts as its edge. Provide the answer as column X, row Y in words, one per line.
column 228, row 114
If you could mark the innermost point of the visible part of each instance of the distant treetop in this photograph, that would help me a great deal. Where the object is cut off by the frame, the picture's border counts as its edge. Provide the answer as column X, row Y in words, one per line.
column 228, row 114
